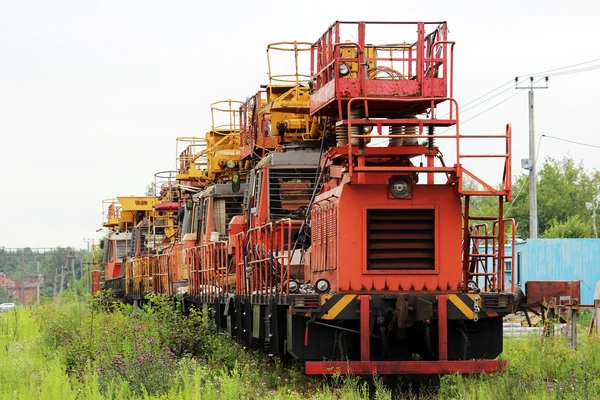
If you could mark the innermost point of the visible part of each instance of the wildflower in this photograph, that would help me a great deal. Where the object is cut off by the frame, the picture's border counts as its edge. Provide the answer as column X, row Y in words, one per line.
column 286, row 379
column 102, row 347
column 253, row 365
column 263, row 383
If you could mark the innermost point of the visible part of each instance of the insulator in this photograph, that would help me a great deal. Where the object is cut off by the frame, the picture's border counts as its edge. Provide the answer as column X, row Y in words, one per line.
column 431, row 141
column 403, row 130
column 341, row 131
column 341, row 135
column 396, row 130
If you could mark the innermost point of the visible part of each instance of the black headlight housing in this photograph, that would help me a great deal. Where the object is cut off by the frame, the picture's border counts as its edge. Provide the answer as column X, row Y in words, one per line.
column 400, row 186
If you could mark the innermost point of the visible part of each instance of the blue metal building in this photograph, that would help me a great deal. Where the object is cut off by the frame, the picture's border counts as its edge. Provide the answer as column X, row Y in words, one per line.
column 558, row 259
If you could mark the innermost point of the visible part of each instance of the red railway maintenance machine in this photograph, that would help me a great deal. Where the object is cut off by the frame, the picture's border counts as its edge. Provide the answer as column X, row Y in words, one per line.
column 401, row 285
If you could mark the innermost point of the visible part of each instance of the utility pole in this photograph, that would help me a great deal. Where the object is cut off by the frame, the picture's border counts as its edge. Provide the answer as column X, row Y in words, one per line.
column 73, row 271
column 594, row 220
column 593, row 206
column 23, row 276
column 19, row 252
column 62, row 277
column 37, row 286
column 530, row 163
column 54, row 284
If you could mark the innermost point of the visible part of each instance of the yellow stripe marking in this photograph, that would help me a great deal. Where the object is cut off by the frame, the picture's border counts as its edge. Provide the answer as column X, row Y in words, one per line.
column 489, row 314
column 461, row 306
column 339, row 306
column 325, row 298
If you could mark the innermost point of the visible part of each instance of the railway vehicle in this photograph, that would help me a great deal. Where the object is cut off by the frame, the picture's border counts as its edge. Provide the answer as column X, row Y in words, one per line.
column 339, row 235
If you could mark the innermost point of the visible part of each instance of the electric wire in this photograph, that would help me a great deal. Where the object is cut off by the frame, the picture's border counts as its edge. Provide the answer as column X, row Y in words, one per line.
column 572, row 141
column 494, row 96
column 539, row 145
column 558, row 69
column 490, row 92
column 537, row 74
column 537, row 154
column 490, row 108
column 575, row 71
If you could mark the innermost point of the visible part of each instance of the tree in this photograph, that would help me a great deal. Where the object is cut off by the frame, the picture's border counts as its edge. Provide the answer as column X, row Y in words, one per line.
column 149, row 189
column 573, row 227
column 563, row 189
column 480, row 205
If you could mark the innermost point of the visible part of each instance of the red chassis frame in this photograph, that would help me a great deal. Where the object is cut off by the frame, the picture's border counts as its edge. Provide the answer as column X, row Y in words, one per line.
column 441, row 366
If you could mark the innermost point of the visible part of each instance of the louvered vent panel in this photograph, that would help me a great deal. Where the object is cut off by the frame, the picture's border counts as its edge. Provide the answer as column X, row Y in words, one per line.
column 400, row 239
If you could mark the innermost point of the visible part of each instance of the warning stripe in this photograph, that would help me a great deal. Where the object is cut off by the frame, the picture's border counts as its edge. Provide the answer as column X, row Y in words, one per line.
column 339, row 306
column 467, row 308
column 458, row 303
column 489, row 314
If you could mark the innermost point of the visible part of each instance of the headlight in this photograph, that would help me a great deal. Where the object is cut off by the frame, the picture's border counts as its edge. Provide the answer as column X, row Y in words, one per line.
column 344, row 69
column 231, row 164
column 367, row 129
column 293, row 286
column 400, row 186
column 322, row 286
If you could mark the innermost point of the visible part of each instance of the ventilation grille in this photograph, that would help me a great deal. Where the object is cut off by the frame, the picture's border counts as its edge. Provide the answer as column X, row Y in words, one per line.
column 290, row 191
column 400, row 239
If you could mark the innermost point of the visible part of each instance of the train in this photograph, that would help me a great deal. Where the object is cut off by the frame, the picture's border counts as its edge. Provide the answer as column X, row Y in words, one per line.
column 318, row 219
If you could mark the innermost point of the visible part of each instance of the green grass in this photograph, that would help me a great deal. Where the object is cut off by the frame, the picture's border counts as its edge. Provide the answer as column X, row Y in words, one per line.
column 77, row 350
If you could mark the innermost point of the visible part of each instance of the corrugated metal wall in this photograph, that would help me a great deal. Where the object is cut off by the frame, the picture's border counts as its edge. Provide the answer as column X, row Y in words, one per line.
column 560, row 259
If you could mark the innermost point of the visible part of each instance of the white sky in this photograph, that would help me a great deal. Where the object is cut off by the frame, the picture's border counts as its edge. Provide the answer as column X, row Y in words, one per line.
column 94, row 93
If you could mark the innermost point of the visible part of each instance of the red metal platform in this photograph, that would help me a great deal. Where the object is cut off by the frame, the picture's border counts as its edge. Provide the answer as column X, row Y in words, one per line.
column 404, row 367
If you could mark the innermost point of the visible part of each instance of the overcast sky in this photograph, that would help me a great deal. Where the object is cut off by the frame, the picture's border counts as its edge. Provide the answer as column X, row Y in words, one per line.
column 94, row 93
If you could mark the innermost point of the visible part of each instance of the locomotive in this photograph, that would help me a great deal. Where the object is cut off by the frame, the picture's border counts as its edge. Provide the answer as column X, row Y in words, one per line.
column 320, row 221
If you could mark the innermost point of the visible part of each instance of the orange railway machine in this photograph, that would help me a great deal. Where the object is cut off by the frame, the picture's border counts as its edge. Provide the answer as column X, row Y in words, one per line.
column 399, row 286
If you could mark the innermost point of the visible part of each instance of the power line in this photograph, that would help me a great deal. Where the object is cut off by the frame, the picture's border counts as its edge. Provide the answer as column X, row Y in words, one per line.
column 490, row 92
column 490, row 108
column 558, row 69
column 494, row 106
column 537, row 154
column 486, row 100
column 571, row 141
column 539, row 145
column 575, row 71
column 561, row 73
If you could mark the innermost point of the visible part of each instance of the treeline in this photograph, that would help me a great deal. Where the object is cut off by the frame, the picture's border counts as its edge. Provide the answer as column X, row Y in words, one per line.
column 567, row 195
column 22, row 264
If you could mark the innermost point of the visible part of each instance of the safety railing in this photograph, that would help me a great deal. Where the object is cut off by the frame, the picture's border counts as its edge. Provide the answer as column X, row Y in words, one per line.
column 163, row 185
column 295, row 78
column 142, row 268
column 249, row 124
column 485, row 251
column 357, row 67
column 424, row 129
column 210, row 275
column 111, row 212
column 225, row 116
column 266, row 260
column 324, row 235
column 191, row 156
column 161, row 275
